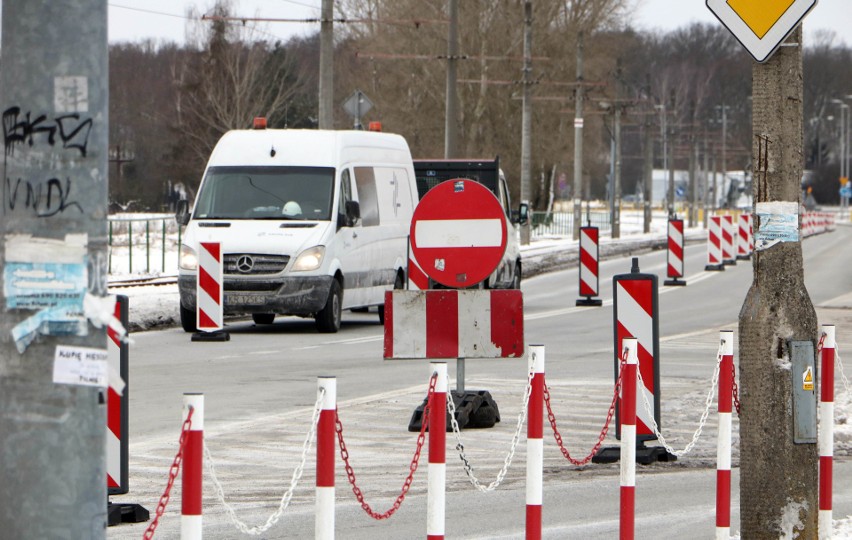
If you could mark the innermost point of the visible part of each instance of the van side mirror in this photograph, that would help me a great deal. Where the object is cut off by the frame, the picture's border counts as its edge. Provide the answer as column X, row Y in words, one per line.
column 522, row 214
column 182, row 212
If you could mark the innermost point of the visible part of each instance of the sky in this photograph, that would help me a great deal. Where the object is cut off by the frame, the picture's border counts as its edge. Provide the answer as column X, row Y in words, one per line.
column 164, row 20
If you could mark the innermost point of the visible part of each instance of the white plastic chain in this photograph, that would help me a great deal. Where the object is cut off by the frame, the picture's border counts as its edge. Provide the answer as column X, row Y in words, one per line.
column 507, row 462
column 285, row 499
column 708, row 402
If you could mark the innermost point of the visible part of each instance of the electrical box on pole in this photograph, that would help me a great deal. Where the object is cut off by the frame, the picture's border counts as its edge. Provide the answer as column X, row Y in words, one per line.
column 53, row 256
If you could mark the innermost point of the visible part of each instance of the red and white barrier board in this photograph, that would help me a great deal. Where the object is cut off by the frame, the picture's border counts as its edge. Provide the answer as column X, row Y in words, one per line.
column 448, row 323
column 729, row 234
column 744, row 232
column 117, row 407
column 675, row 251
column 715, row 260
column 209, row 288
column 589, row 257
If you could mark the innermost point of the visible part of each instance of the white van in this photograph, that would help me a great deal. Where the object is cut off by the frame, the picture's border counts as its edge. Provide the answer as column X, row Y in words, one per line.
column 310, row 221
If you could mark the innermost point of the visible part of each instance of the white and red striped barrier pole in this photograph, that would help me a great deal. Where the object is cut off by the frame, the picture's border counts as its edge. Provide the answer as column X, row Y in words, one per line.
column 193, row 460
column 723, row 448
column 589, row 267
column 326, row 452
column 535, row 444
column 674, row 266
column 826, row 431
column 714, row 245
column 729, row 234
column 742, row 237
column 750, row 234
column 209, row 295
column 437, row 481
column 628, row 442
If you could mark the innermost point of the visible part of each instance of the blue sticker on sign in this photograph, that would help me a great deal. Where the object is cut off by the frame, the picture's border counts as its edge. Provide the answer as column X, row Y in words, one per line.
column 458, row 186
column 28, row 285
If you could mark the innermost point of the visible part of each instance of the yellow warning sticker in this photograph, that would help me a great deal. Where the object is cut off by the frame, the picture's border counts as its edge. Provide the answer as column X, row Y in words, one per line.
column 808, row 379
column 760, row 17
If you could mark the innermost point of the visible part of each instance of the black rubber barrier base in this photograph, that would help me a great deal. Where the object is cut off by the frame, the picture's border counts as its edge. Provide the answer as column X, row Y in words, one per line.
column 743, row 257
column 714, row 268
column 589, row 301
column 730, row 262
column 645, row 455
column 126, row 513
column 675, row 282
column 474, row 409
column 219, row 335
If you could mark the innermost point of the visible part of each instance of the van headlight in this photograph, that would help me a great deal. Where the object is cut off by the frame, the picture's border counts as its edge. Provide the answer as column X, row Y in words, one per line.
column 187, row 260
column 310, row 259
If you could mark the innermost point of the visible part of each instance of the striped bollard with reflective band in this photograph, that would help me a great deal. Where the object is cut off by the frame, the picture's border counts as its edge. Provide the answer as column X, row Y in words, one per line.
column 743, row 252
column 729, row 234
column 714, row 245
column 191, row 479
column 535, row 444
column 326, row 452
column 826, row 431
column 723, row 448
column 674, row 266
column 589, row 267
column 209, row 296
column 437, row 481
column 628, row 441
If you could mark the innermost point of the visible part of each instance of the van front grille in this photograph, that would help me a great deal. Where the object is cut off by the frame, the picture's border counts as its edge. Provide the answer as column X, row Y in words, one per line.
column 253, row 264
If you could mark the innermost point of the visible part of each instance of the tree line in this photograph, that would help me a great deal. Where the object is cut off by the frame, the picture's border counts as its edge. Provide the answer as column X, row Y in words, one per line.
column 169, row 104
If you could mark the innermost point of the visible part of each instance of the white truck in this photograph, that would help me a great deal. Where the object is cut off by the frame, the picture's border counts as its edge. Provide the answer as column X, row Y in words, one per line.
column 311, row 222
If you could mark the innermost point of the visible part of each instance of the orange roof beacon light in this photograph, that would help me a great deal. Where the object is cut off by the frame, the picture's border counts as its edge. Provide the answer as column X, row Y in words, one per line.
column 375, row 126
column 259, row 122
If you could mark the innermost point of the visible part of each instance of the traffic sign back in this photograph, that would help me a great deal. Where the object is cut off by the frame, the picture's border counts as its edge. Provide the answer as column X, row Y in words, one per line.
column 458, row 233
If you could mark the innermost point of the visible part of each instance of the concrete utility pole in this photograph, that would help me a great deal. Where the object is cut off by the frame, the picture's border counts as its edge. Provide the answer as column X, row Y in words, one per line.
column 778, row 478
column 526, row 119
column 53, row 434
column 671, row 164
column 578, row 141
column 451, row 118
column 648, row 166
column 693, row 165
column 616, row 190
column 326, row 67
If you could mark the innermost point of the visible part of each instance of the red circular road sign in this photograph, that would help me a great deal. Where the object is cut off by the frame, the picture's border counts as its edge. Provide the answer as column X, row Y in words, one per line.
column 458, row 233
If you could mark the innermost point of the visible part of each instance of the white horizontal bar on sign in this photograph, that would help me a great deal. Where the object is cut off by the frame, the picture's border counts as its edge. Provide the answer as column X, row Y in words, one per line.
column 446, row 233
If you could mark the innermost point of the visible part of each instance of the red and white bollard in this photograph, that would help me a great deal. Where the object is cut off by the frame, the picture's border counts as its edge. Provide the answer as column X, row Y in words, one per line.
column 193, row 460
column 729, row 234
column 209, row 297
column 744, row 225
column 437, row 475
column 674, row 266
column 723, row 448
column 629, row 383
column 589, row 267
column 326, row 452
column 826, row 431
column 535, row 444
column 714, row 245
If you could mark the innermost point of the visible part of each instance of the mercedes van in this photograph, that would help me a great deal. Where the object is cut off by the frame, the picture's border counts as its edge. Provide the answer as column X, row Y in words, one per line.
column 311, row 222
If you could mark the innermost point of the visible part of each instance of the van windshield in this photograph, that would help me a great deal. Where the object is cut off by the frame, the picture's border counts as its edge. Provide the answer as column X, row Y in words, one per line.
column 302, row 193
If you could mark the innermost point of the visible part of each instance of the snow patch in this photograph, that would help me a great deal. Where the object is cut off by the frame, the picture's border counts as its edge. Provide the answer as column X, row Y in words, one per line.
column 791, row 520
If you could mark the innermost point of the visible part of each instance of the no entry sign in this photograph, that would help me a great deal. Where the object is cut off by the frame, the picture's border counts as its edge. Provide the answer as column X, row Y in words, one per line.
column 458, row 233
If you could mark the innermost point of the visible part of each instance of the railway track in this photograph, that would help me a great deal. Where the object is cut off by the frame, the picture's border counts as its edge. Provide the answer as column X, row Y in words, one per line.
column 125, row 283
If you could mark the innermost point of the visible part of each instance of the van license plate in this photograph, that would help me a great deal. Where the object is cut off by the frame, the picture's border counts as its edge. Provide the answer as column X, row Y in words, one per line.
column 245, row 299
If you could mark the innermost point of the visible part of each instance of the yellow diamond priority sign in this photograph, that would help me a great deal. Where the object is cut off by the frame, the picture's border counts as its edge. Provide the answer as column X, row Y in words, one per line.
column 760, row 25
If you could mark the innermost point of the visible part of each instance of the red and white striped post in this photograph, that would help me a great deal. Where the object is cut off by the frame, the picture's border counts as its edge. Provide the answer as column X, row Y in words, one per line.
column 589, row 267
column 714, row 245
column 750, row 234
column 674, row 266
column 209, row 296
column 437, row 481
column 193, row 460
column 744, row 225
column 826, row 431
column 628, row 441
column 723, row 448
column 535, row 444
column 326, row 452
column 729, row 234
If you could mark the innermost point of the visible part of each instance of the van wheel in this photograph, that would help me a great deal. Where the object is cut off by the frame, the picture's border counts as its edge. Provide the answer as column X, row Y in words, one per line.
column 328, row 319
column 516, row 279
column 263, row 318
column 187, row 319
column 398, row 285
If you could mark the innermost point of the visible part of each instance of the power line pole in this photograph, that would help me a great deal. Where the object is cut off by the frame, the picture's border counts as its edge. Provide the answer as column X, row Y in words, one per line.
column 578, row 141
column 778, row 479
column 693, row 165
column 326, row 67
column 53, row 247
column 526, row 118
column 451, row 118
column 616, row 189
column 671, row 193
column 648, row 167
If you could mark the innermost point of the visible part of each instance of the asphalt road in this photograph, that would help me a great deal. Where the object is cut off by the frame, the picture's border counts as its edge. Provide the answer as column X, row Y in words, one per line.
column 260, row 387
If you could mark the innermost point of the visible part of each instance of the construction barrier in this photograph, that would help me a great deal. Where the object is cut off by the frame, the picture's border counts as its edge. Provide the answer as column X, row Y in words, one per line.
column 729, row 234
column 589, row 276
column 535, row 445
column 715, row 260
column 437, row 472
column 675, row 256
column 326, row 450
column 743, row 237
column 723, row 447
column 826, row 429
column 628, row 427
column 209, row 309
column 193, row 464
